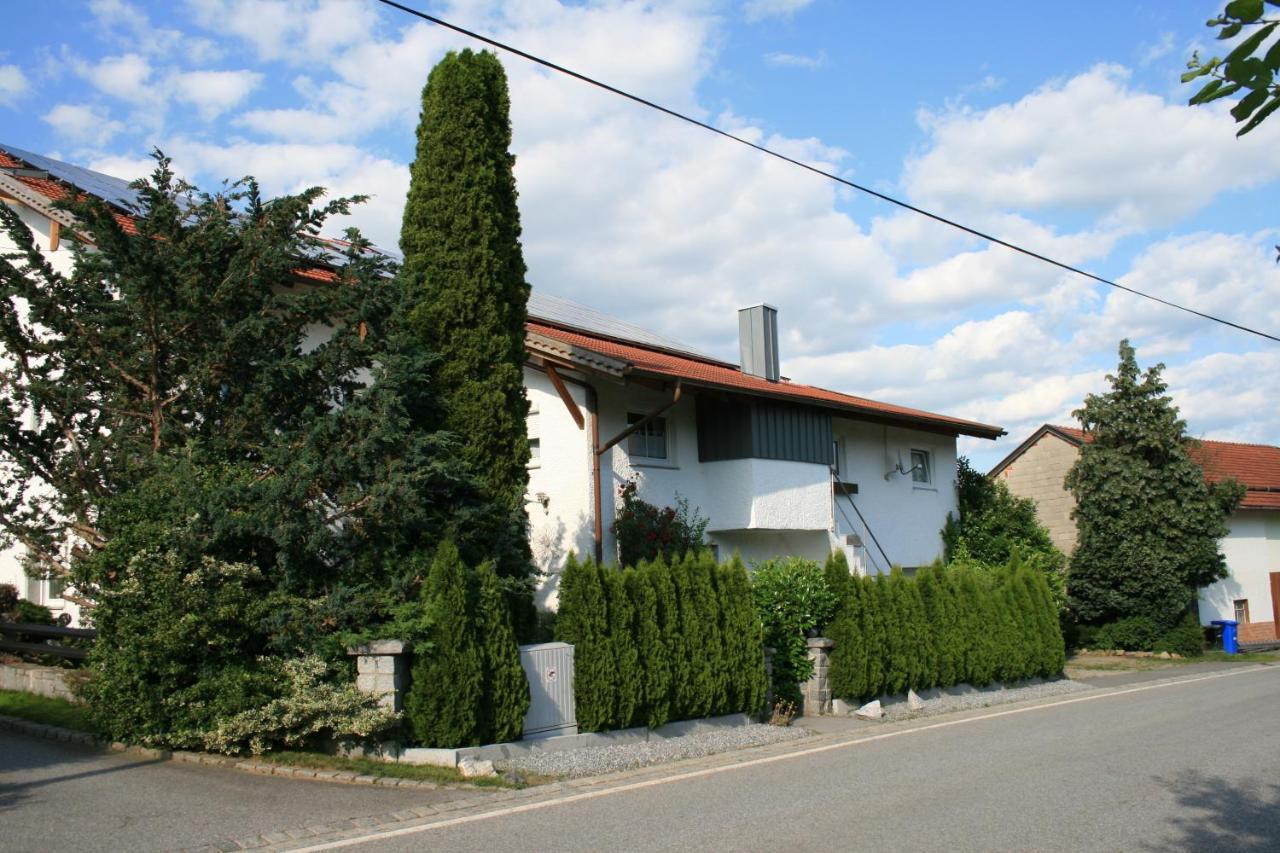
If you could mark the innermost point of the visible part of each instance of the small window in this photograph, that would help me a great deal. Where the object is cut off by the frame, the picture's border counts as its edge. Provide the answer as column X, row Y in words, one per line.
column 650, row 441
column 836, row 447
column 921, row 467
column 535, row 449
column 1242, row 610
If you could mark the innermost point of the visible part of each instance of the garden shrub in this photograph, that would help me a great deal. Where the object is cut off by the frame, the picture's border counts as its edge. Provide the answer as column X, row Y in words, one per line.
column 442, row 705
column 177, row 650
column 646, row 532
column 1186, row 638
column 661, row 641
column 958, row 623
column 1134, row 634
column 792, row 598
column 8, row 601
column 309, row 707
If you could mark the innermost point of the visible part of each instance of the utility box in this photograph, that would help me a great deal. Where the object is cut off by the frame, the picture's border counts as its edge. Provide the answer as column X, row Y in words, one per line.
column 549, row 668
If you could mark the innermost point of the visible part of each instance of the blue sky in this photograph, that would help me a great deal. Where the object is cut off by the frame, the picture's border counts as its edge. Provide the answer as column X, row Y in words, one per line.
column 1064, row 128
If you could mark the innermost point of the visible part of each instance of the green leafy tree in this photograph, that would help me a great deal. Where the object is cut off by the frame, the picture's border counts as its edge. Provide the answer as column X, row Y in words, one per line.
column 1247, row 68
column 583, row 623
column 792, row 598
column 646, row 532
column 1149, row 524
column 505, row 693
column 994, row 524
column 465, row 274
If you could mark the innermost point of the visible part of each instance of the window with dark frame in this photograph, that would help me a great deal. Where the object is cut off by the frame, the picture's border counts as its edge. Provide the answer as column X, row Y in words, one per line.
column 1242, row 610
column 921, row 466
column 650, row 440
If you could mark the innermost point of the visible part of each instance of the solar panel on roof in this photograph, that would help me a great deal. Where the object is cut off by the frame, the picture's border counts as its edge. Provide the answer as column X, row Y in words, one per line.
column 562, row 312
column 112, row 190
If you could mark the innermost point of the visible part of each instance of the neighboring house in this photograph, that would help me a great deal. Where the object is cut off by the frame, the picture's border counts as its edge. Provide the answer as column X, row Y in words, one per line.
column 777, row 467
column 1251, row 594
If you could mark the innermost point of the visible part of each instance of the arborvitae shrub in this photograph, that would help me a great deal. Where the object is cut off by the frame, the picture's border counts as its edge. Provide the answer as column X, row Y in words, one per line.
column 898, row 657
column 836, row 570
column 583, row 624
column 743, row 640
column 628, row 680
column 666, row 707
column 661, row 642
column 447, row 689
column 655, row 668
column 875, row 620
column 505, row 686
column 849, row 630
column 922, row 655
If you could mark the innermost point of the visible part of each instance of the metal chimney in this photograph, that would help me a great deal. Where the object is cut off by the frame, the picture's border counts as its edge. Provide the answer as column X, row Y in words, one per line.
column 758, row 340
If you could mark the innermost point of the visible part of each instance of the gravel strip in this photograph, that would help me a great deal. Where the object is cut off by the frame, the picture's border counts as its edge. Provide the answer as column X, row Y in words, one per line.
column 966, row 698
column 592, row 761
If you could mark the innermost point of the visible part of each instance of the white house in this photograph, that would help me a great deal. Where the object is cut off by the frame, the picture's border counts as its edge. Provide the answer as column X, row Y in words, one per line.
column 777, row 467
column 1251, row 593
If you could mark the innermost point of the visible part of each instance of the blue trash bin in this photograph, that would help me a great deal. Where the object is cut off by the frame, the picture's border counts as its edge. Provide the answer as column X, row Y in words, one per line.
column 1230, row 644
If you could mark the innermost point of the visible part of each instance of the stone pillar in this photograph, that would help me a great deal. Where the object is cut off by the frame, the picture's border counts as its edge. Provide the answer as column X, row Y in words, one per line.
column 817, row 690
column 382, row 670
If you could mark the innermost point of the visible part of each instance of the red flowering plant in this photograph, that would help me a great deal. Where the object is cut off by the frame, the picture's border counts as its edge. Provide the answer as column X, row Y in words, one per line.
column 645, row 531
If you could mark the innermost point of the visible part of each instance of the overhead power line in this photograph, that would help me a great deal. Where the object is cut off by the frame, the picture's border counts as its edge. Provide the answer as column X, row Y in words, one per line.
column 546, row 63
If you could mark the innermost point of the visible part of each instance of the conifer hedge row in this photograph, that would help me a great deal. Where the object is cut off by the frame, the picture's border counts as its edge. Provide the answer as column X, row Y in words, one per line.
column 945, row 626
column 661, row 641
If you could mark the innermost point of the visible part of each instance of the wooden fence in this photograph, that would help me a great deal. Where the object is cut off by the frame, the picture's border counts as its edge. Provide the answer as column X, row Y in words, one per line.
column 16, row 637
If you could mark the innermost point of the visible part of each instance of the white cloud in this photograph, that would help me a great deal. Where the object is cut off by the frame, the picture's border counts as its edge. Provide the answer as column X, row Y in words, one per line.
column 1090, row 144
column 796, row 60
column 1151, row 52
column 300, row 32
column 758, row 10
column 214, row 92
column 126, row 77
column 82, row 123
column 13, row 85
column 129, row 168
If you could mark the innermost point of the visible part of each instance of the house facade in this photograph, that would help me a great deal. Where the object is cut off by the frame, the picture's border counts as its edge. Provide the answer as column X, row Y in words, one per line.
column 1251, row 592
column 777, row 467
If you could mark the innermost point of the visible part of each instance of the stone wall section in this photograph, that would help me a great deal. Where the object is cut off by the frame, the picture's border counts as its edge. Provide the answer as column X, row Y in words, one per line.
column 1039, row 474
column 48, row 681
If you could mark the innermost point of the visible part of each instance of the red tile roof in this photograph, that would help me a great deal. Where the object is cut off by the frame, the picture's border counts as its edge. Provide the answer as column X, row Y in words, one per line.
column 1255, row 466
column 55, row 190
column 7, row 162
column 719, row 375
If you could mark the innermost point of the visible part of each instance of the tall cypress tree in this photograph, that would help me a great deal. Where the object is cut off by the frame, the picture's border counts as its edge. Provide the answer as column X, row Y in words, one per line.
column 849, row 657
column 666, row 593
column 655, row 665
column 1149, row 525
column 465, row 278
column 628, row 678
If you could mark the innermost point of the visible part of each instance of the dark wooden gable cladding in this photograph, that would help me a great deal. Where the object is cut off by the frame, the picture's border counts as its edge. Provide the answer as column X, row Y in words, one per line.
column 732, row 426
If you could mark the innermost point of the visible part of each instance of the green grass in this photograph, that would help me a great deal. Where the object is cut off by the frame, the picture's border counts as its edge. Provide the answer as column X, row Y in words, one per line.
column 1107, row 663
column 42, row 709
column 369, row 767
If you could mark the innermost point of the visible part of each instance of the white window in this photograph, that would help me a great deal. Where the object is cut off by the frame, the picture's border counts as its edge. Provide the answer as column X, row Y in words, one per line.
column 921, row 468
column 650, row 440
column 1242, row 610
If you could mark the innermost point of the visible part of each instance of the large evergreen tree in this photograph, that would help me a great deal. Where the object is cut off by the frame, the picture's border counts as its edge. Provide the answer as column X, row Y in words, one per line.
column 465, row 272
column 1148, row 523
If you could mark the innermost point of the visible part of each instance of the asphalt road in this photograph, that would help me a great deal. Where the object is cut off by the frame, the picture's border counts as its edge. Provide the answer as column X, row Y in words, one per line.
column 1188, row 766
column 59, row 796
column 1194, row 766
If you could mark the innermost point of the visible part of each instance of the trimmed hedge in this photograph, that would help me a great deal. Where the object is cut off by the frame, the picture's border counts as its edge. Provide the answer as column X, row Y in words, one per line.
column 661, row 642
column 945, row 626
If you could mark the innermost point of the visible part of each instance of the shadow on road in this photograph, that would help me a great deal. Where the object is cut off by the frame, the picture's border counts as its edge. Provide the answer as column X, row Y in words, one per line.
column 22, row 758
column 1222, row 814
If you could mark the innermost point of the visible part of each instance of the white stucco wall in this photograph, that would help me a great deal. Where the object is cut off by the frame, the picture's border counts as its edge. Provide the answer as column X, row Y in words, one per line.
column 11, row 570
column 1252, row 549
column 757, row 507
column 906, row 517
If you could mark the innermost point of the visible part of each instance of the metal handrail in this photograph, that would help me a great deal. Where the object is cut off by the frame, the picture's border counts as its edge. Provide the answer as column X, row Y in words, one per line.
column 865, row 526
